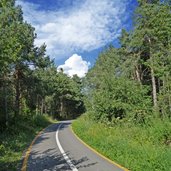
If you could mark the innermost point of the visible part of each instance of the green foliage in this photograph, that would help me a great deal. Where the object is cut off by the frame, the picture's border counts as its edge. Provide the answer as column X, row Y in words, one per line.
column 29, row 81
column 15, row 139
column 135, row 147
column 133, row 81
column 112, row 94
column 30, row 86
column 128, row 94
column 41, row 120
column 129, row 88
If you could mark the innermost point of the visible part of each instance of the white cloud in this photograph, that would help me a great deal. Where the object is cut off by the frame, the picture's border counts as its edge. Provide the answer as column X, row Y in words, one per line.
column 86, row 27
column 75, row 65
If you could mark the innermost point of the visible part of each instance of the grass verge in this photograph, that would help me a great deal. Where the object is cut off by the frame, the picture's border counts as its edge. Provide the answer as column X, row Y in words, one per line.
column 17, row 138
column 138, row 148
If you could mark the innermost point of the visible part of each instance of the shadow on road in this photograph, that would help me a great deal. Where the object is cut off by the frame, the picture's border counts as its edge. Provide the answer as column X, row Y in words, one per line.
column 50, row 159
column 54, row 161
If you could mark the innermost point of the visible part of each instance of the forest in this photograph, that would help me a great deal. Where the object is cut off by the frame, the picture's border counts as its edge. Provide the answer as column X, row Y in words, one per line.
column 133, row 81
column 29, row 81
column 128, row 88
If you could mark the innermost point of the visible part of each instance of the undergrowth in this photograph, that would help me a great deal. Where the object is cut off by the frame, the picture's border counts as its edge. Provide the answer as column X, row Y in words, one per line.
column 136, row 147
column 15, row 139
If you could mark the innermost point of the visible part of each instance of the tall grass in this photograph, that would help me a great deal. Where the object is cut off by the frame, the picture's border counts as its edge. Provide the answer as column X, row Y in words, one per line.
column 16, row 139
column 136, row 147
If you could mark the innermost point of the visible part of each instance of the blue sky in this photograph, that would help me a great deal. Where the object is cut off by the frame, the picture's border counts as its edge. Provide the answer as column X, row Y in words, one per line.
column 76, row 31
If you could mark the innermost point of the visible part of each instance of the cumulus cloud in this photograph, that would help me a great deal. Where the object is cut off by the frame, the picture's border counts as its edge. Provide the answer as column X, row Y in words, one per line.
column 75, row 65
column 85, row 27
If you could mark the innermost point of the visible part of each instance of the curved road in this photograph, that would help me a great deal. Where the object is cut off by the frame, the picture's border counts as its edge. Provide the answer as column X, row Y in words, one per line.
column 57, row 149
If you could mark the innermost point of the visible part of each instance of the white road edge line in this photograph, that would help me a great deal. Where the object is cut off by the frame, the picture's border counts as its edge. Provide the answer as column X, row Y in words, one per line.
column 63, row 152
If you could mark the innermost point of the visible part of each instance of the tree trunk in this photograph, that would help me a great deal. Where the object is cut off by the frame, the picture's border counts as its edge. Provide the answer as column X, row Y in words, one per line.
column 138, row 75
column 62, row 106
column 154, row 92
column 5, row 102
column 153, row 81
column 167, row 80
column 37, row 104
column 17, row 97
column 45, row 108
column 6, row 107
column 42, row 106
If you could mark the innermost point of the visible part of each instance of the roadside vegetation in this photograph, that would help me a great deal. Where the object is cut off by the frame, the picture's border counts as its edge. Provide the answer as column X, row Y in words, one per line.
column 16, row 139
column 128, row 94
column 29, row 80
column 135, row 147
column 30, row 87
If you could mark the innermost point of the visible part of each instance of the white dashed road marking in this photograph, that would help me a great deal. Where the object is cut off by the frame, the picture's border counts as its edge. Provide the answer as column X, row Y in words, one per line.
column 63, row 152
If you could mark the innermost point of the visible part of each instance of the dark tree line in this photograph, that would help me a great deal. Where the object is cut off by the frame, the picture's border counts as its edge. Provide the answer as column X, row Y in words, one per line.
column 29, row 81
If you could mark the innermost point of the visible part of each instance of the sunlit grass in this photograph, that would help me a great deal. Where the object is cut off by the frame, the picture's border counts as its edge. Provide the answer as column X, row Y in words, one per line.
column 138, row 148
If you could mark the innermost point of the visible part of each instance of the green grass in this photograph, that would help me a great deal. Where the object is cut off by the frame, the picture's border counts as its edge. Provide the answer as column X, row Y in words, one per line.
column 17, row 138
column 138, row 148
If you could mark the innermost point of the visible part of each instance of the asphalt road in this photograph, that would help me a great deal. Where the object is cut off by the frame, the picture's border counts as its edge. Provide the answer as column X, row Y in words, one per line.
column 57, row 149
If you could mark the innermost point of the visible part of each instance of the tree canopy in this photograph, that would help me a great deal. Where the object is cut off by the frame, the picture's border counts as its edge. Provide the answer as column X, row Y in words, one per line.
column 29, row 81
column 133, row 81
column 130, row 82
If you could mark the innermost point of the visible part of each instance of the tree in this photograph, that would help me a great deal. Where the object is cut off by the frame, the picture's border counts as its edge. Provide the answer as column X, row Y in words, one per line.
column 152, row 30
column 111, row 92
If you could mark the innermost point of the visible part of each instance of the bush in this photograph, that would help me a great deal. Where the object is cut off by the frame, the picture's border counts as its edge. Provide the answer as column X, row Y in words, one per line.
column 41, row 120
column 121, row 98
